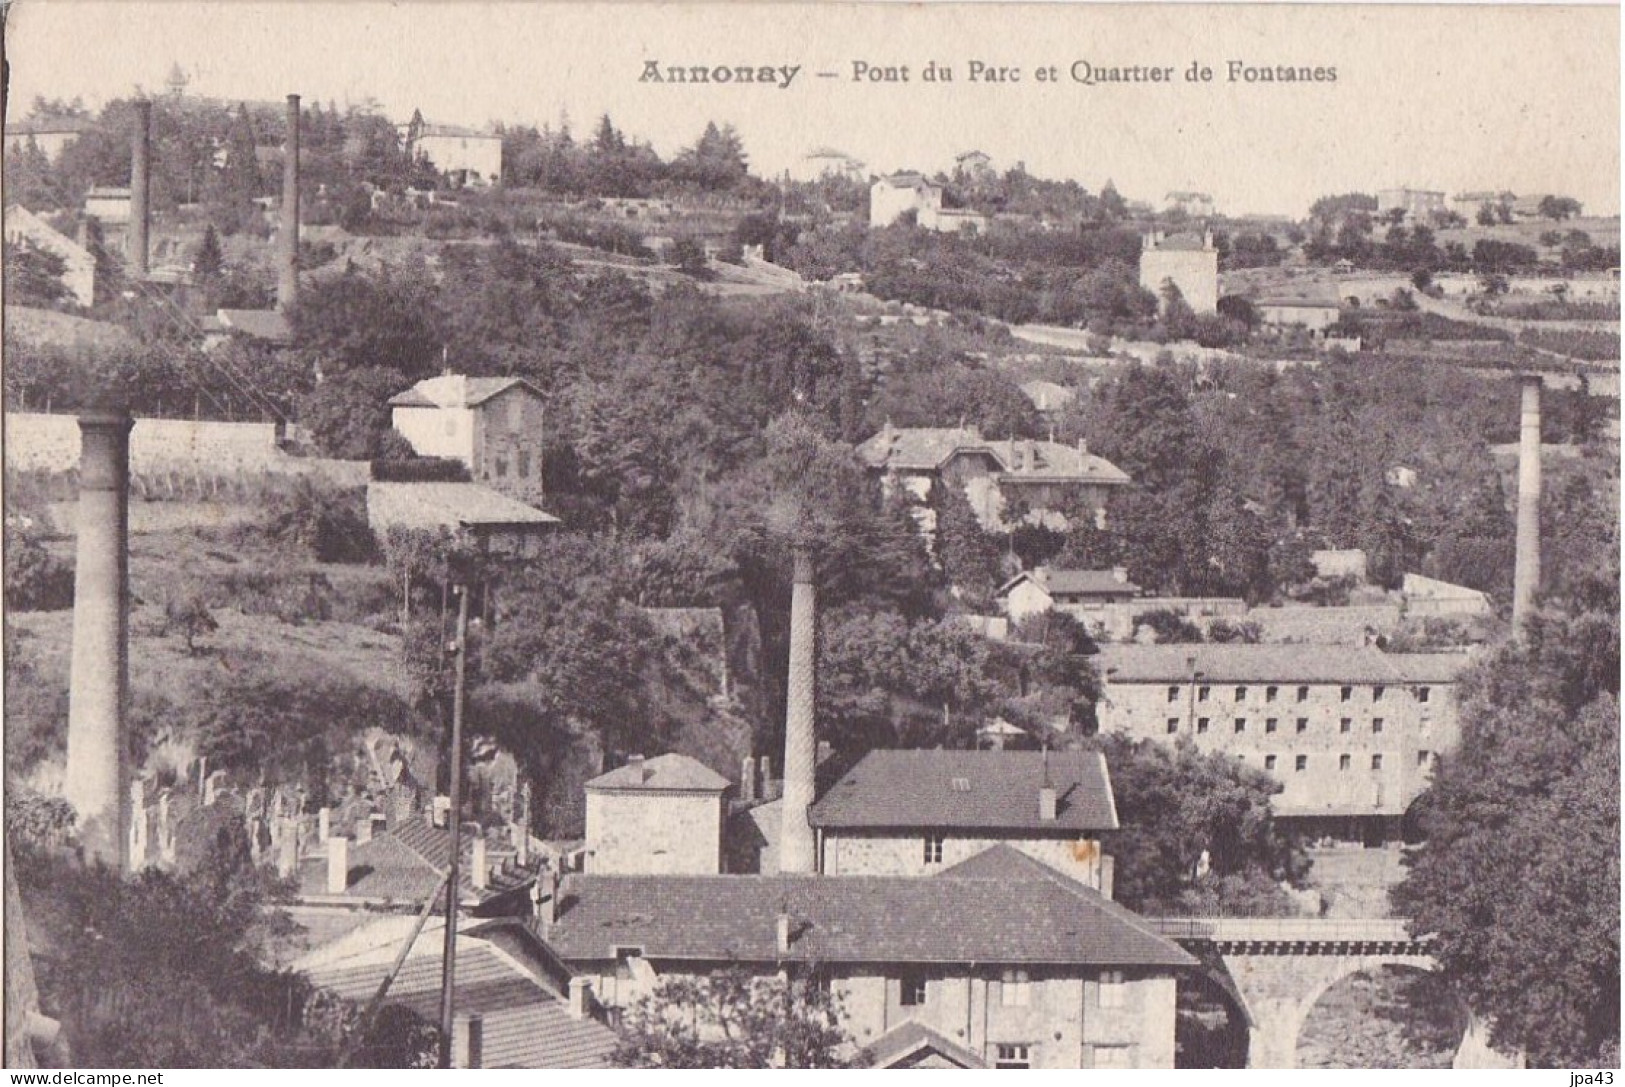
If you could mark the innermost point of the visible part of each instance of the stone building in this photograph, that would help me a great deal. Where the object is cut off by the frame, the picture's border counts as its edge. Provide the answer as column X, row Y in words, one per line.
column 916, row 813
column 1189, row 261
column 494, row 425
column 1415, row 203
column 465, row 156
column 998, row 961
column 656, row 816
column 1042, row 476
column 1351, row 734
column 78, row 263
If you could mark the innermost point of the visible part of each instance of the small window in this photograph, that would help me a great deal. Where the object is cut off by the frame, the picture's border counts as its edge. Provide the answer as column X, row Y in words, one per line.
column 1376, row 762
column 1173, row 694
column 1424, row 693
column 1303, row 724
column 911, row 991
column 1423, row 758
column 524, row 464
column 933, row 848
column 1346, row 725
column 1241, row 724
column 502, row 467
column 1201, row 724
column 1344, row 762
column 1301, row 762
column 1270, row 693
column 1011, row 1055
column 1271, row 724
column 1376, row 724
column 1016, row 990
column 1376, row 693
column 1303, row 694
column 1202, row 693
column 1346, row 693
column 1113, row 989
column 1173, row 725
column 1269, row 762
column 1241, row 694
column 516, row 411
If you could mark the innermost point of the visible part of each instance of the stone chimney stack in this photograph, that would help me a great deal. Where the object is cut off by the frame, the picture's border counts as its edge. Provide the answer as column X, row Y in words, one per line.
column 782, row 933
column 479, row 867
column 747, row 780
column 140, row 188
column 796, row 844
column 1526, row 574
column 468, row 1041
column 639, row 771
column 97, row 783
column 287, row 283
column 580, row 997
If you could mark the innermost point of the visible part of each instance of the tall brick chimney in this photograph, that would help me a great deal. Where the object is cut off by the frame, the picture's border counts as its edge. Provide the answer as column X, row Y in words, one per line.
column 287, row 282
column 140, row 188
column 1526, row 574
column 97, row 782
column 796, row 844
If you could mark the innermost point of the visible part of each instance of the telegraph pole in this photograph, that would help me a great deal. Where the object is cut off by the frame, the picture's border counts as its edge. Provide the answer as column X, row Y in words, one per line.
column 448, row 962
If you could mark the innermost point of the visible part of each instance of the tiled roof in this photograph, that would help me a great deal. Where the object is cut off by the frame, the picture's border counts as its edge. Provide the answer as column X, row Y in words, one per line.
column 677, row 773
column 969, row 790
column 525, row 1024
column 405, row 865
column 929, row 448
column 448, row 505
column 1018, row 915
column 913, row 1039
column 1098, row 582
column 1188, row 242
column 1278, row 663
column 456, row 391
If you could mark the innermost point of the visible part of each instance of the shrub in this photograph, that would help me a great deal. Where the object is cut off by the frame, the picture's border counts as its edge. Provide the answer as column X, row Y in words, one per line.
column 36, row 580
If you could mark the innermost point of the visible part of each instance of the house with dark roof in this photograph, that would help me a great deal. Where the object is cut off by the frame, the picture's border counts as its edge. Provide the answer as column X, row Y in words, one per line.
column 494, row 425
column 997, row 961
column 1350, row 732
column 1077, row 592
column 917, row 812
column 484, row 518
column 1041, row 476
column 659, row 815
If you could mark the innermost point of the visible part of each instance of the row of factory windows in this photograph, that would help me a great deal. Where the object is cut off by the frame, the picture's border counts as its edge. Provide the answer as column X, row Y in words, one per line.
column 1345, row 694
column 1344, row 762
column 1273, row 724
column 1016, row 989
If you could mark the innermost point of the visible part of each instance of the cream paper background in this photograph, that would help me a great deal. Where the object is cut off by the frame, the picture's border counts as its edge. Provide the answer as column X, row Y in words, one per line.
column 1522, row 98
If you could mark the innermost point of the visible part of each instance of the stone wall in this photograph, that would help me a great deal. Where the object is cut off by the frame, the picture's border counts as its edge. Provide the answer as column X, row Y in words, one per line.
column 653, row 833
column 890, row 853
column 37, row 441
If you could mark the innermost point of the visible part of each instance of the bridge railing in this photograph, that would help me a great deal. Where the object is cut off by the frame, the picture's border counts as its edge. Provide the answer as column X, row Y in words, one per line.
column 1286, row 929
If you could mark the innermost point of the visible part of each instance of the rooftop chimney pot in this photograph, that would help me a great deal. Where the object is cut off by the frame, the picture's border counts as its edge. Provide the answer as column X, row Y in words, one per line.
column 338, row 865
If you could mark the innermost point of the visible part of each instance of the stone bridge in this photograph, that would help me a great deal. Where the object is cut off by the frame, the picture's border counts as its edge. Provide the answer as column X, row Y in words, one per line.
column 1276, row 968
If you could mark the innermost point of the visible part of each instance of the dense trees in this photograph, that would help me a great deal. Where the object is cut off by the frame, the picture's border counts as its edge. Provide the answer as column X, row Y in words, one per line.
column 732, row 1019
column 1518, row 880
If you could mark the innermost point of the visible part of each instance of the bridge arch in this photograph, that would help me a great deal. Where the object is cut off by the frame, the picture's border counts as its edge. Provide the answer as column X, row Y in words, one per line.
column 1443, row 1019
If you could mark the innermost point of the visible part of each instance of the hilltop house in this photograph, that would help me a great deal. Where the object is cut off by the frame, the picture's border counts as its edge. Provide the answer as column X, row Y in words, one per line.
column 465, row 156
column 894, row 196
column 492, row 424
column 1197, row 205
column 1077, row 592
column 1189, row 261
column 1417, row 204
column 51, row 135
column 1042, row 476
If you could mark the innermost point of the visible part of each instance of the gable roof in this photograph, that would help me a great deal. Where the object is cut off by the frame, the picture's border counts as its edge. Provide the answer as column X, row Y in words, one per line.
column 1275, row 663
column 969, row 790
column 1187, row 242
column 663, row 773
column 456, row 391
column 526, row 1025
column 1096, row 582
column 1021, row 459
column 904, row 1044
column 405, row 864
column 447, row 505
column 970, row 918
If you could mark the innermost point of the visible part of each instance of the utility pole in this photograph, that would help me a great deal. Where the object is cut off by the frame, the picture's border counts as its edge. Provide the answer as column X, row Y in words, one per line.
column 448, row 962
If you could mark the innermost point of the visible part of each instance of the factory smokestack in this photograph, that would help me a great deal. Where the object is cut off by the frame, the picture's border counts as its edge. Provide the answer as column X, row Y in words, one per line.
column 796, row 846
column 97, row 778
column 140, row 187
column 287, row 284
column 1526, row 575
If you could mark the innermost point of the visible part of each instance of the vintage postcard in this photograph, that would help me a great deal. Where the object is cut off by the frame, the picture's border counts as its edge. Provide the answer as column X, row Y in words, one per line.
column 811, row 535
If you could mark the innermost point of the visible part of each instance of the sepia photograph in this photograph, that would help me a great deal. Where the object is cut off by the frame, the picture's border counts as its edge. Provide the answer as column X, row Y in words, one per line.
column 792, row 535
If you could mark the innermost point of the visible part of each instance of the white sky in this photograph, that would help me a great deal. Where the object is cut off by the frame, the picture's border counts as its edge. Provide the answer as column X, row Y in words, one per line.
column 1448, row 98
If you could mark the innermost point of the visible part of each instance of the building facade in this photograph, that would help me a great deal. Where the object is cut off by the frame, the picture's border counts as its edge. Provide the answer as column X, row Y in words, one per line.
column 1188, row 261
column 1415, row 203
column 79, row 264
column 492, row 425
column 656, row 816
column 464, row 155
column 1351, row 734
